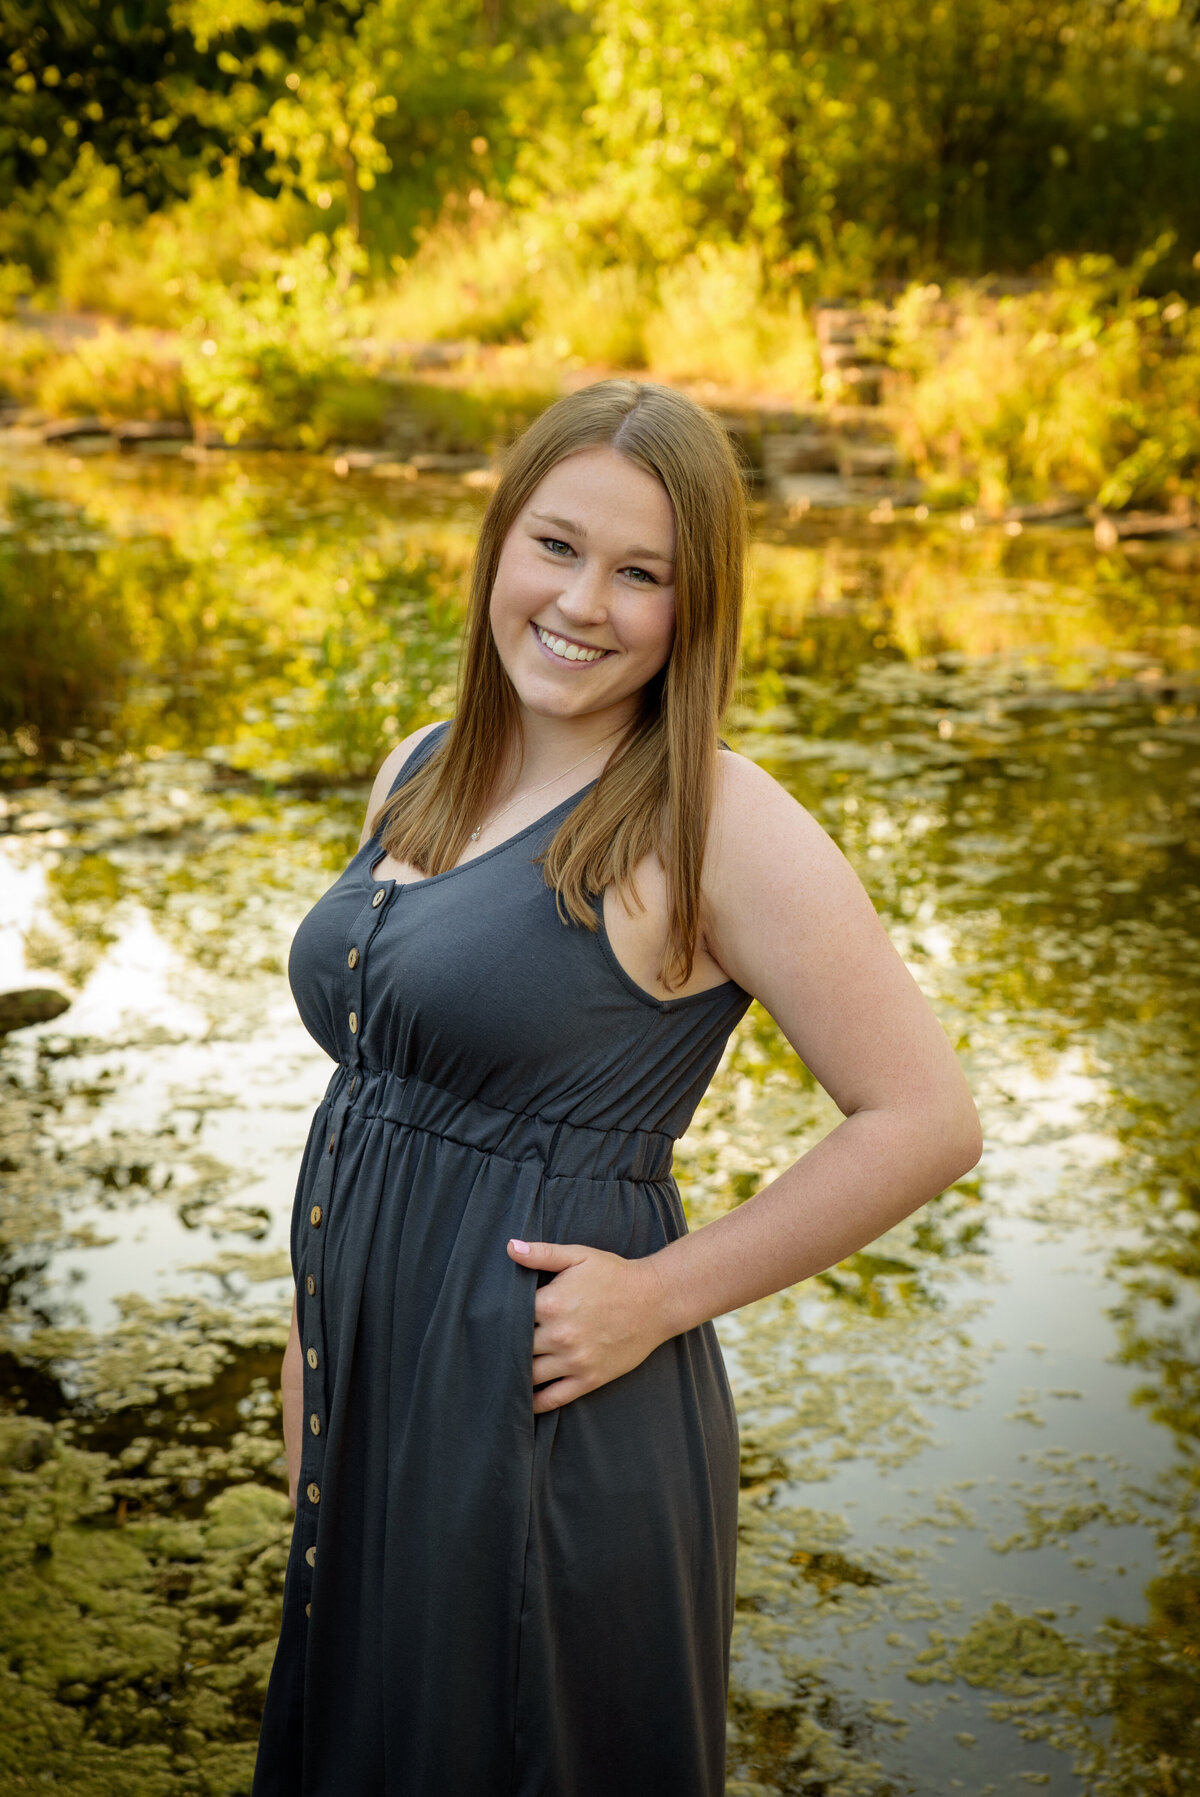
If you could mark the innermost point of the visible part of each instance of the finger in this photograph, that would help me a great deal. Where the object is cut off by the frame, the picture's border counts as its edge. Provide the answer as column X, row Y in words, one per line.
column 551, row 1336
column 547, row 1257
column 549, row 1366
column 553, row 1397
column 556, row 1363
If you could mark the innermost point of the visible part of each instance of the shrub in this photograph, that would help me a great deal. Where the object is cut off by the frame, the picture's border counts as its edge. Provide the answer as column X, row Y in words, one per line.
column 145, row 270
column 23, row 356
column 1088, row 387
column 268, row 359
column 118, row 374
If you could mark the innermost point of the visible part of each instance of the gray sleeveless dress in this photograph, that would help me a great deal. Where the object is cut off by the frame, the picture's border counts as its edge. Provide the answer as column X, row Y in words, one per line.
column 478, row 1602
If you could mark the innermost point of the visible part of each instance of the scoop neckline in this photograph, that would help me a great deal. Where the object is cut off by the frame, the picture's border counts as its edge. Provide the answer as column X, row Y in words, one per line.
column 374, row 879
column 370, row 878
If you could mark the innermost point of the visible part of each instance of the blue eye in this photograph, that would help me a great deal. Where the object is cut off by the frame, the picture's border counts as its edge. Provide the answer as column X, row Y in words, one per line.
column 556, row 547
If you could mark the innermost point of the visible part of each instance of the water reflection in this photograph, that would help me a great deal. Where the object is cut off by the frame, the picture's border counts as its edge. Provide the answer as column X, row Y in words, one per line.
column 970, row 1553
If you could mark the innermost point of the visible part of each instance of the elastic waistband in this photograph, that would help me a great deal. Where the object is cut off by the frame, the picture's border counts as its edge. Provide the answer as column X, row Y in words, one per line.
column 563, row 1149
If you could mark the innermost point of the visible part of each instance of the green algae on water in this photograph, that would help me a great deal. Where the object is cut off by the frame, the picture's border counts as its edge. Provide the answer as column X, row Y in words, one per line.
column 969, row 1540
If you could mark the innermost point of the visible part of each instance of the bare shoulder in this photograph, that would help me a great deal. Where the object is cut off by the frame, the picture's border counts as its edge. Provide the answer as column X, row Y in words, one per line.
column 757, row 826
column 775, row 882
column 393, row 761
column 788, row 918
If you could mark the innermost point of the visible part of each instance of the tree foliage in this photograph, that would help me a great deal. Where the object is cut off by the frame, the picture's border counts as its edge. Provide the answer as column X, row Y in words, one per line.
column 971, row 133
column 858, row 138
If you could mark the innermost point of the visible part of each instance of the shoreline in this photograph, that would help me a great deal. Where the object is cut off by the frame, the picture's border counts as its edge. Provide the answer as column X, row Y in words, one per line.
column 846, row 483
column 446, row 409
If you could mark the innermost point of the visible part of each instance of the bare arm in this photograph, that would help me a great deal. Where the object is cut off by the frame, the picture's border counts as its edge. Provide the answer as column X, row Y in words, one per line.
column 291, row 1390
column 788, row 919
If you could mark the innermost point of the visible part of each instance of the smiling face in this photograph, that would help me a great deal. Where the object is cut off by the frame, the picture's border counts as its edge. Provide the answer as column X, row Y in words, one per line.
column 583, row 603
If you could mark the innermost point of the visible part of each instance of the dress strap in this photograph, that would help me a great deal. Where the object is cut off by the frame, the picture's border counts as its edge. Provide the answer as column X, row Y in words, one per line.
column 419, row 756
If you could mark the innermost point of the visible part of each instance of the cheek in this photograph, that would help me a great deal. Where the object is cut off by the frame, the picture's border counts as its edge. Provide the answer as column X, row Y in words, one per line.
column 518, row 591
column 498, row 609
column 651, row 629
column 506, row 608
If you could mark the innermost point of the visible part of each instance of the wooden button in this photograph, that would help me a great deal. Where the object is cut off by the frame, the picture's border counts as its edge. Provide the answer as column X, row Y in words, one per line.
column 314, row 1216
column 310, row 1284
column 312, row 1358
column 313, row 1494
column 308, row 1609
column 354, row 1023
column 310, row 1554
column 332, row 1140
column 379, row 897
column 352, row 958
column 314, row 1423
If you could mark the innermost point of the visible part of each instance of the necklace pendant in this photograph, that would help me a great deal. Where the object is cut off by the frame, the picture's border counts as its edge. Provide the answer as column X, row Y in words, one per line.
column 475, row 833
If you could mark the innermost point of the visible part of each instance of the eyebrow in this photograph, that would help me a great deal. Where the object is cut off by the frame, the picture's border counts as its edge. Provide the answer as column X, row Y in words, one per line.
column 568, row 524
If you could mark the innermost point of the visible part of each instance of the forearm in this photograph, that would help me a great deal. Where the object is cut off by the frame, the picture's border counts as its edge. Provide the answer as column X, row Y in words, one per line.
column 874, row 1169
column 291, row 1389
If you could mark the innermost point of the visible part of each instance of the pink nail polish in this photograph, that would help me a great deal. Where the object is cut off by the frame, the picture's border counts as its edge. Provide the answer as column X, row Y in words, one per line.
column 521, row 1247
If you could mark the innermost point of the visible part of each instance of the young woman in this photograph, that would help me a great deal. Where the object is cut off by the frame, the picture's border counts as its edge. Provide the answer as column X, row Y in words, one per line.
column 509, row 1432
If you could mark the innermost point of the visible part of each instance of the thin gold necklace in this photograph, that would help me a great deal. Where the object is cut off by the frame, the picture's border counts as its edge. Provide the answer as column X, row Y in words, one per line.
column 496, row 816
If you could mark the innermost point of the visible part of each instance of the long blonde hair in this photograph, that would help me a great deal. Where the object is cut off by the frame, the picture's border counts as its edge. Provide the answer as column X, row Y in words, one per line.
column 655, row 792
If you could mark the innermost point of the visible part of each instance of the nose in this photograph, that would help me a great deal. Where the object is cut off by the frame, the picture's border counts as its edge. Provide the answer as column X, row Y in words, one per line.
column 584, row 597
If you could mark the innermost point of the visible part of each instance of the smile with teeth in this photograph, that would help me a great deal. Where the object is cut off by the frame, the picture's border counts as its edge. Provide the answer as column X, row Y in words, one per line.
column 566, row 650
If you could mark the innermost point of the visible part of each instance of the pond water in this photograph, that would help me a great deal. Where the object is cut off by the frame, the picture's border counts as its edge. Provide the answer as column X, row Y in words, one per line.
column 970, row 1551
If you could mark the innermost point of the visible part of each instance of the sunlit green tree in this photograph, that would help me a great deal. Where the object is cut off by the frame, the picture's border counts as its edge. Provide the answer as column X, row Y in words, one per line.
column 974, row 131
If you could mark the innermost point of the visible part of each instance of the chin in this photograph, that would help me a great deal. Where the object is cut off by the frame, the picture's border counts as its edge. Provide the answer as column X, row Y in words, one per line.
column 548, row 696
column 541, row 704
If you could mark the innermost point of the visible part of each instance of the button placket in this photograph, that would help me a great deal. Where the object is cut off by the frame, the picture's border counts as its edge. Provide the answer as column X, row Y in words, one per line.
column 310, row 1312
column 316, row 1232
column 365, row 926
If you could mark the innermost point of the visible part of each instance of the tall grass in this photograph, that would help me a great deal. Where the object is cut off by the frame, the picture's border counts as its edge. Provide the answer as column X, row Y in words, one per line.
column 1088, row 387
column 115, row 375
column 715, row 319
column 596, row 316
column 24, row 356
column 476, row 282
column 711, row 316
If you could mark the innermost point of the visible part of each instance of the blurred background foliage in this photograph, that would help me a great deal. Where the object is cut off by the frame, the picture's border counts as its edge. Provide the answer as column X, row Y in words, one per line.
column 857, row 140
column 286, row 200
